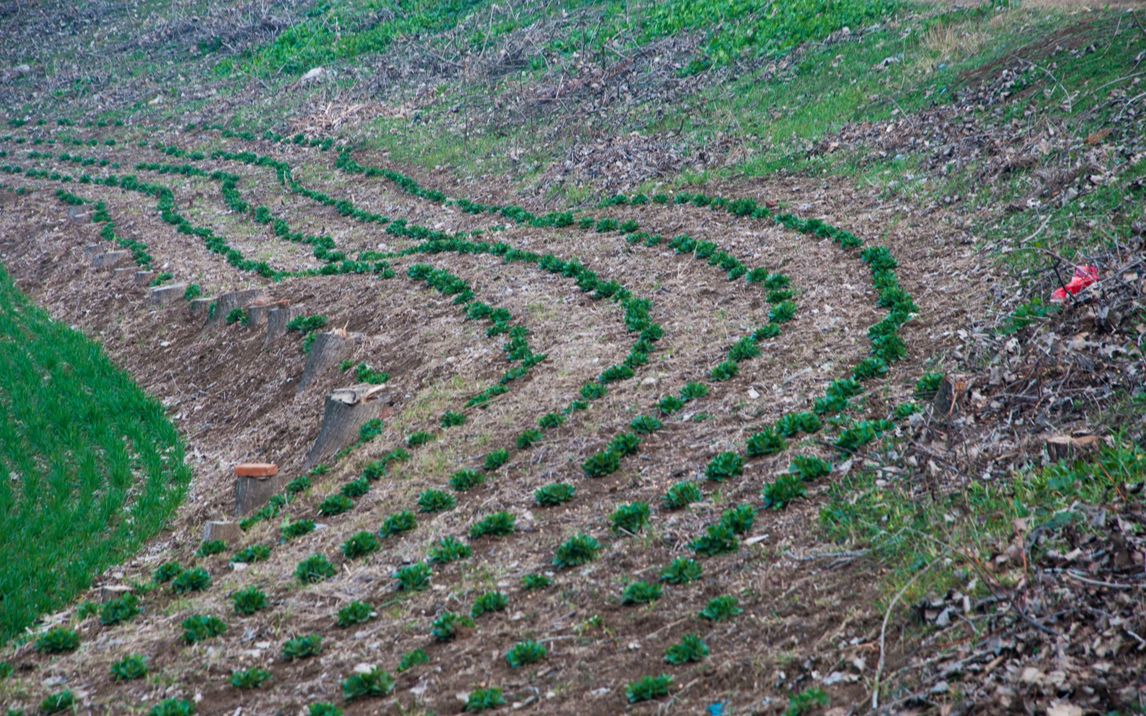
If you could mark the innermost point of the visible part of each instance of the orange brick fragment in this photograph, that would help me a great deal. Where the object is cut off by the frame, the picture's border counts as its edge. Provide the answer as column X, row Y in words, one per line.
column 256, row 469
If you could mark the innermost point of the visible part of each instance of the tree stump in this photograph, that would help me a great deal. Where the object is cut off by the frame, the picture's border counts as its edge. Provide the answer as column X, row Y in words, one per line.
column 226, row 531
column 328, row 350
column 201, row 306
column 1070, row 447
column 164, row 295
column 228, row 302
column 347, row 409
column 143, row 278
column 259, row 311
column 255, row 483
column 111, row 592
column 947, row 397
column 110, row 259
column 277, row 320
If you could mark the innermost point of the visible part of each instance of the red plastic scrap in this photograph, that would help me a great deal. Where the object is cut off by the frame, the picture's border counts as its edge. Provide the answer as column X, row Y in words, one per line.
column 1083, row 277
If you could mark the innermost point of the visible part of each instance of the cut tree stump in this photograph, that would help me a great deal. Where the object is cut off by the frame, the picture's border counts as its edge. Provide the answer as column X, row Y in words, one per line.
column 226, row 531
column 228, row 302
column 255, row 483
column 111, row 592
column 258, row 312
column 328, row 350
column 277, row 319
column 164, row 295
column 1071, row 447
column 347, row 409
column 948, row 395
column 110, row 259
column 201, row 306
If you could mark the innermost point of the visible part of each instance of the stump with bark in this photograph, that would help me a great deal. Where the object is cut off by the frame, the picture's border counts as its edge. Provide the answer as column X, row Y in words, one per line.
column 347, row 410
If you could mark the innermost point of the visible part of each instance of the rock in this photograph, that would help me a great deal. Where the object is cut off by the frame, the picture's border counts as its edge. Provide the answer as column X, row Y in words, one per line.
column 226, row 531
column 313, row 75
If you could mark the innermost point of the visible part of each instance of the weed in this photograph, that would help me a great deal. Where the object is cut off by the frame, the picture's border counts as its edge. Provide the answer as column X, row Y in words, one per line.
column 499, row 524
column 449, row 549
column 681, row 495
column 365, row 374
column 398, row 523
column 448, row 625
column 314, row 569
column 355, row 613
column 173, row 707
column 725, row 466
column 414, row 578
column 306, row 324
column 200, row 627
column 534, row 582
column 630, row 518
column 250, row 678
column 577, row 550
column 57, row 702
column 555, row 494
column 524, row 653
column 682, row 571
column 452, row 419
column 360, row 545
column 689, row 649
column 192, row 580
column 431, row 501
column 720, row 609
column 640, row 593
column 129, row 668
column 410, row 659
column 302, row 647
column 648, row 688
column 58, row 640
column 528, row 438
column 484, row 699
column 418, row 439
column 489, row 602
column 370, row 430
column 238, row 315
column 192, row 292
column 374, row 682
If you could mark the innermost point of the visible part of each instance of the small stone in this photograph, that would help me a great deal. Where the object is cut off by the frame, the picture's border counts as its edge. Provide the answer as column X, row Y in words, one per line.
column 753, row 394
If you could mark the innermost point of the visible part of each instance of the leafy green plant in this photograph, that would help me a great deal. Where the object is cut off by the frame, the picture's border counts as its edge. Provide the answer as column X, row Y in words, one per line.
column 365, row 374
column 465, row 480
column 555, row 494
column 484, row 699
column 689, row 649
column 646, row 425
column 238, row 315
column 449, row 549
column 418, row 439
column 355, row 488
column 809, row 468
column 211, row 547
column 724, row 371
column 323, row 708
column 200, row 627
column 119, row 610
column 314, row 569
column 630, row 518
column 250, row 678
column 738, row 519
column 410, row 659
column 725, row 466
column 398, row 523
column 928, row 385
column 640, row 593
column 355, row 613
column 360, row 545
column 173, row 707
column 306, row 324
column 370, row 429
column 806, row 702
column 302, row 647
column 254, row 553
column 528, row 439
column 297, row 528
column 593, row 391
column 129, row 668
column 765, row 442
column 717, row 539
column 489, row 602
column 534, row 582
column 498, row 524
column 524, row 653
column 58, row 640
column 870, row 368
column 602, row 463
column 784, row 490
column 549, row 421
column 448, row 625
column 577, row 550
column 495, row 459
column 625, row 444
column 192, row 580
column 681, row 495
column 414, row 578
column 57, row 702
column 192, row 292
column 249, row 600
column 670, row 404
column 682, row 571
column 374, row 682
column 335, row 505
column 166, row 572
column 792, row 424
column 452, row 419
column 436, row 501
column 648, row 688
column 721, row 609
